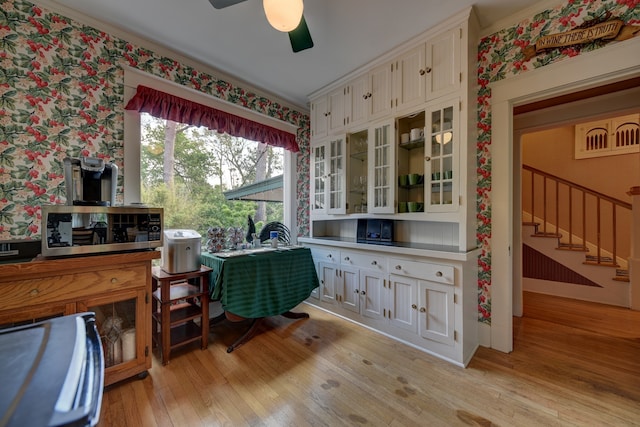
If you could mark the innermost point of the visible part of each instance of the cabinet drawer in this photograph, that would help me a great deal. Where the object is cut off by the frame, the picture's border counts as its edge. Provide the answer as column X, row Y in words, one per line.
column 423, row 270
column 325, row 255
column 372, row 262
column 70, row 286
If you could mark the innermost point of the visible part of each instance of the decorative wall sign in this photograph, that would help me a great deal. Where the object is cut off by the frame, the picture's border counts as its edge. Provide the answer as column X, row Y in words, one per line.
column 602, row 28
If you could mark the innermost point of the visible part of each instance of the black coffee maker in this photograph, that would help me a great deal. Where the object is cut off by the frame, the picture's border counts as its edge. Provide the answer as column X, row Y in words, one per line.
column 90, row 181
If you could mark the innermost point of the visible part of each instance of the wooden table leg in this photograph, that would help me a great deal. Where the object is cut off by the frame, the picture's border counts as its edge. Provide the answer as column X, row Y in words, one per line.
column 292, row 315
column 248, row 334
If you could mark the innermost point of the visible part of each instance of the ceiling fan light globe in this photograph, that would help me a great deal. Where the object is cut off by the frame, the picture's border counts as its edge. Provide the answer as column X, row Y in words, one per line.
column 283, row 15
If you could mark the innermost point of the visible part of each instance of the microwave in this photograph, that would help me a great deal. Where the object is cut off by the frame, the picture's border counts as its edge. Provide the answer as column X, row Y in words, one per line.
column 80, row 230
column 379, row 231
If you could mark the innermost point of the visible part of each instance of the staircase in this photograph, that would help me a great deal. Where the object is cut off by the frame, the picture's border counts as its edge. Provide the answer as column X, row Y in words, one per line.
column 577, row 240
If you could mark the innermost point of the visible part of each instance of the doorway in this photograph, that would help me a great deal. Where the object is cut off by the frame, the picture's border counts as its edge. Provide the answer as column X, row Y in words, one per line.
column 550, row 125
column 594, row 69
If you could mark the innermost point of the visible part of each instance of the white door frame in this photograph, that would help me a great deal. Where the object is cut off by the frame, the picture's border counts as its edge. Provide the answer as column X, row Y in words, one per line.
column 613, row 63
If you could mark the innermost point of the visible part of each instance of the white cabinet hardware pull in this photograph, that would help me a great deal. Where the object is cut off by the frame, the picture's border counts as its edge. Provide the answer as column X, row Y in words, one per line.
column 423, row 310
column 398, row 267
column 374, row 262
column 439, row 274
column 346, row 258
column 363, row 293
column 413, row 306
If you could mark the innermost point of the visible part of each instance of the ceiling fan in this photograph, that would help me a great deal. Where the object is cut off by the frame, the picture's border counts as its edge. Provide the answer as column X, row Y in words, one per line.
column 283, row 15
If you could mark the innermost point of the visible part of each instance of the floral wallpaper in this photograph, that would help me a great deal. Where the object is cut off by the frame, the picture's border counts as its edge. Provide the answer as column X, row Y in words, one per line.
column 502, row 55
column 61, row 94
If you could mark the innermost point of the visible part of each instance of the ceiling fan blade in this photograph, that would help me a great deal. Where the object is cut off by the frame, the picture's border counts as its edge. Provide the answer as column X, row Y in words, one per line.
column 221, row 4
column 300, row 37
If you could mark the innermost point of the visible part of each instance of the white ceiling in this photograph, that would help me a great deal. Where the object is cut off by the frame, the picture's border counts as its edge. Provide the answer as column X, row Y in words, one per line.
column 239, row 41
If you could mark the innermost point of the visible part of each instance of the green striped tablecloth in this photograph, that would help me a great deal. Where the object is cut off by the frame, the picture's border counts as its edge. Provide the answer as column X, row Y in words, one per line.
column 261, row 283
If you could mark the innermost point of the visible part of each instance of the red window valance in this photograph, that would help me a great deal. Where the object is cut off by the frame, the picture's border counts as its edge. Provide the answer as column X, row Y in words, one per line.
column 170, row 107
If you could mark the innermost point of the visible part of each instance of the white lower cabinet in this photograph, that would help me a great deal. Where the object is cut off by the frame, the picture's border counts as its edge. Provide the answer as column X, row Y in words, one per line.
column 436, row 312
column 402, row 303
column 427, row 302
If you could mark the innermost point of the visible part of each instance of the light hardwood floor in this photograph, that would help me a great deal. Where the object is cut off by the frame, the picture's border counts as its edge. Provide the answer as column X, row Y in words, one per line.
column 574, row 363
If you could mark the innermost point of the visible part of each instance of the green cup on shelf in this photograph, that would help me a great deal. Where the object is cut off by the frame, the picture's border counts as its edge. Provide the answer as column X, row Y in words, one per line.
column 403, row 180
column 413, row 178
column 402, row 207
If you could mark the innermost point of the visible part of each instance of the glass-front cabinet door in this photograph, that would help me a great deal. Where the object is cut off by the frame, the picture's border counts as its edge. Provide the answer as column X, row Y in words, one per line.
column 337, row 175
column 358, row 146
column 382, row 172
column 328, row 176
column 119, row 320
column 441, row 167
column 318, row 177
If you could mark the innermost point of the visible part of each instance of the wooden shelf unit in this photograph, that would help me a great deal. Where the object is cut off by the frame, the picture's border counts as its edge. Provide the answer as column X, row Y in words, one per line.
column 179, row 301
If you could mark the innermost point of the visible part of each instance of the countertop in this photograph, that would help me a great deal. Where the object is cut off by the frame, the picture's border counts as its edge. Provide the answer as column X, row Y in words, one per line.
column 400, row 248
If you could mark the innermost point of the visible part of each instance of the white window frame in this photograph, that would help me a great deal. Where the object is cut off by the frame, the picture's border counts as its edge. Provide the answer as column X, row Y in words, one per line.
column 132, row 174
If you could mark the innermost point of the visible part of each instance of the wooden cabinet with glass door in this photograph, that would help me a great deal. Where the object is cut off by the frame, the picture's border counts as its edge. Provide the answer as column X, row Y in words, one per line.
column 116, row 287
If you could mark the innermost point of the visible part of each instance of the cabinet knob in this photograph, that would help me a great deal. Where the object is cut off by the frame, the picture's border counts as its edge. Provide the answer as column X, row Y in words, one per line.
column 356, row 291
column 398, row 267
column 423, row 310
column 346, row 258
column 34, row 292
column 439, row 274
column 428, row 70
column 413, row 306
column 329, row 256
column 422, row 71
column 363, row 293
column 114, row 280
column 374, row 262
column 427, row 158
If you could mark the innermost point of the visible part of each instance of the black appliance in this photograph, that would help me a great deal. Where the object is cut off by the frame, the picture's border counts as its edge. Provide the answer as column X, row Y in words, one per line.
column 90, row 181
column 52, row 373
column 378, row 231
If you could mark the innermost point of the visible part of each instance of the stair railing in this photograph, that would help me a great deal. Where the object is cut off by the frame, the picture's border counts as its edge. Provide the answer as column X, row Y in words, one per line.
column 593, row 215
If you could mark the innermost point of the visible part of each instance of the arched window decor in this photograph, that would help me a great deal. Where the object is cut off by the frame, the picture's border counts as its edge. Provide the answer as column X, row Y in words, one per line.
column 171, row 107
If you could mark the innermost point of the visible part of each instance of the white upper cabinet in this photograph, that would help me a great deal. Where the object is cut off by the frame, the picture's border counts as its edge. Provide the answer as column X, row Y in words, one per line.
column 443, row 63
column 319, row 117
column 339, row 102
column 380, row 95
column 330, row 113
column 360, row 90
column 410, row 79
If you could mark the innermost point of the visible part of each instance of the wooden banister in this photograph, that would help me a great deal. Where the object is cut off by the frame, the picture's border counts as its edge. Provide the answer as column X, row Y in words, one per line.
column 594, row 222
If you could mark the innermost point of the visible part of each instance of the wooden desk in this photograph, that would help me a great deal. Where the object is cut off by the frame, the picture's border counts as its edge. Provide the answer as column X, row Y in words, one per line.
column 255, row 284
column 178, row 300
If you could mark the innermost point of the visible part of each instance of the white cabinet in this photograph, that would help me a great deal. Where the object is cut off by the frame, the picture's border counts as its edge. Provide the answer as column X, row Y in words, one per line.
column 442, row 171
column 443, row 63
column 360, row 90
column 328, row 176
column 380, row 92
column 427, row 302
column 319, row 117
column 410, row 77
column 436, row 312
column 382, row 175
column 402, row 303
column 364, row 280
column 330, row 113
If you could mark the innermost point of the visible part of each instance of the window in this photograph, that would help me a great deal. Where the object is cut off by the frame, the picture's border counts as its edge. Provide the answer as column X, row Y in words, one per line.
column 133, row 171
